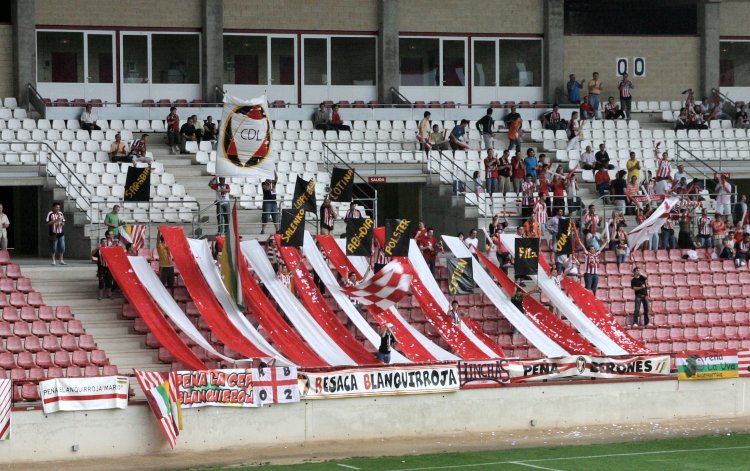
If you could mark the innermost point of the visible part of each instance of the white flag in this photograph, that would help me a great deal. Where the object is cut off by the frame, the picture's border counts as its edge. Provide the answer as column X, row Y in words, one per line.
column 244, row 148
column 652, row 225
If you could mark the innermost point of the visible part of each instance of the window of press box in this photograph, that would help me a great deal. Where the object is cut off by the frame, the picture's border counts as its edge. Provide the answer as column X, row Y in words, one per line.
column 353, row 61
column 734, row 64
column 520, row 63
column 175, row 58
column 419, row 61
column 631, row 17
column 245, row 60
column 59, row 57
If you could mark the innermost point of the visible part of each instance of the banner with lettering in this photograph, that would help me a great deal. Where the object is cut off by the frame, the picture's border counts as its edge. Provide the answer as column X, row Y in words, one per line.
column 397, row 236
column 71, row 394
column 526, row 260
column 293, row 227
column 476, row 374
column 304, row 195
column 219, row 388
column 565, row 237
column 460, row 276
column 359, row 236
column 275, row 385
column 341, row 185
column 358, row 382
column 138, row 184
column 244, row 147
column 713, row 364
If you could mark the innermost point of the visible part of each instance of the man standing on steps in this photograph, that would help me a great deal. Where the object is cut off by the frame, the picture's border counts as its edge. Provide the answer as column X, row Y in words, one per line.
column 639, row 284
column 270, row 206
column 222, row 203
column 187, row 133
column 173, row 130
column 387, row 341
column 4, row 224
column 55, row 223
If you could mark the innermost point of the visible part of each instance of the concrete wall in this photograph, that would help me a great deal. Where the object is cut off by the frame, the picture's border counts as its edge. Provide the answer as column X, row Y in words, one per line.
column 323, row 15
column 139, row 13
column 6, row 61
column 508, row 16
column 672, row 64
column 116, row 433
column 733, row 17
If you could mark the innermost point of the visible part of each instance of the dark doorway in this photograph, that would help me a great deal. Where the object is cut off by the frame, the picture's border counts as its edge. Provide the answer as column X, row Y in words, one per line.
column 246, row 69
column 286, row 70
column 20, row 204
column 399, row 200
column 105, row 68
column 65, row 67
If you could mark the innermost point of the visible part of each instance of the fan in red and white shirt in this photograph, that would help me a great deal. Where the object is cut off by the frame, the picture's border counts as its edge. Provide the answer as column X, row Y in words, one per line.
column 591, row 220
column 590, row 266
column 56, row 222
column 663, row 171
column 705, row 232
column 540, row 213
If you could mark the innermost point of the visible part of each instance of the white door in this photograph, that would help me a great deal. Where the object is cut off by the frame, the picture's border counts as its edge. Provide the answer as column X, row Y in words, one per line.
column 135, row 67
column 99, row 53
column 484, row 73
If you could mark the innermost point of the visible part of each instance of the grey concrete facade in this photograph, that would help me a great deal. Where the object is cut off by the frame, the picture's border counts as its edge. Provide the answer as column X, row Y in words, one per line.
column 23, row 16
column 212, row 49
column 388, row 62
column 709, row 30
column 553, row 80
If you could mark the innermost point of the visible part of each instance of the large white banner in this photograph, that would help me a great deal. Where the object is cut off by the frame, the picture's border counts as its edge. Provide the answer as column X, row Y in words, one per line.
column 244, row 148
column 356, row 382
column 69, row 394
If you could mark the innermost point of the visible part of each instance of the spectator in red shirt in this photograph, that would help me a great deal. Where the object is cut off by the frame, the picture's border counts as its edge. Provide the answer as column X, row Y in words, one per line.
column 601, row 179
column 518, row 172
column 429, row 247
column 421, row 231
column 173, row 131
column 587, row 111
column 558, row 193
column 336, row 121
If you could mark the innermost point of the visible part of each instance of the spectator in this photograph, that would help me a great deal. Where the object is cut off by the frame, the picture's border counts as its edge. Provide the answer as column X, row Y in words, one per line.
column 420, row 232
column 118, row 150
column 685, row 239
column 353, row 213
column 621, row 250
column 429, row 247
column 727, row 251
column 518, row 172
column 680, row 174
column 681, row 187
column 270, row 206
column 4, row 224
column 454, row 313
column 591, row 221
column 478, row 184
column 723, row 195
column 663, row 170
column 586, row 110
column 484, row 126
column 553, row 225
column 663, row 187
column 102, row 271
column 595, row 89
column 285, row 277
column 617, row 190
column 514, row 123
column 320, row 118
column 575, row 204
column 612, row 110
column 336, row 122
column 741, row 120
column 56, row 224
column 274, row 254
column 504, row 174
column 88, row 119
column 222, row 203
column 574, row 132
column 496, row 226
column 111, row 241
column 531, row 163
column 574, row 89
column 602, row 159
column 423, row 131
column 696, row 119
column 542, row 185
column 742, row 251
column 457, row 137
column 682, row 121
column 387, row 341
column 528, row 190
column 647, row 184
column 591, row 266
column 472, row 241
column 667, row 234
column 138, row 150
column 653, row 242
column 633, row 167
column 639, row 283
column 166, row 263
column 491, row 165
column 588, row 161
column 173, row 131
column 602, row 181
column 706, row 108
column 738, row 215
column 187, row 133
column 631, row 191
column 558, row 193
column 540, row 213
column 626, row 94
column 437, row 139
column 113, row 222
column 327, row 216
column 209, row 130
column 719, row 229
column 531, row 228
column 553, row 121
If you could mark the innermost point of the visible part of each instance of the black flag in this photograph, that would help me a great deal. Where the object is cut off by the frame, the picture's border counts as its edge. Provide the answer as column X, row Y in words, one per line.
column 460, row 276
column 138, row 184
column 292, row 227
column 564, row 243
column 304, row 195
column 527, row 256
column 397, row 236
column 359, row 236
column 341, row 184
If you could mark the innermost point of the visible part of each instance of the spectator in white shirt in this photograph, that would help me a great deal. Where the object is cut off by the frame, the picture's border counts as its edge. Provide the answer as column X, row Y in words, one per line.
column 588, row 161
column 4, row 224
column 723, row 195
column 88, row 119
column 681, row 173
column 472, row 240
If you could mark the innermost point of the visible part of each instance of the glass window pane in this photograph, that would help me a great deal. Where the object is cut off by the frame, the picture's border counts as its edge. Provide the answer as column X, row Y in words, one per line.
column 735, row 64
column 246, row 60
column 59, row 57
column 282, row 61
column 520, row 63
column 135, row 58
column 100, row 58
column 484, row 64
column 454, row 66
column 419, row 59
column 175, row 58
column 316, row 60
column 353, row 61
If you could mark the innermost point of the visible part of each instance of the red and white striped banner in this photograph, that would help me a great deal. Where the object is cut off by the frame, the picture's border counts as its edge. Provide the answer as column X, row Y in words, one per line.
column 6, row 395
column 743, row 362
column 161, row 394
column 385, row 289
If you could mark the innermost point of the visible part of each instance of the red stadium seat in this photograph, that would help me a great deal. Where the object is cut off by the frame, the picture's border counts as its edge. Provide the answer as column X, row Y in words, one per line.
column 32, row 344
column 44, row 359
column 55, row 372
column 46, row 313
column 28, row 314
column 57, row 328
column 62, row 102
column 13, row 270
column 91, row 370
column 39, row 328
column 30, row 391
column 690, row 333
column 75, row 327
column 23, row 284
column 196, row 103
column 373, row 104
column 148, row 103
column 7, row 361
column 109, row 370
column 164, row 103
column 129, row 312
column 7, row 285
column 36, row 374
column 140, row 326
column 80, row 358
column 22, row 329
column 68, row 343
column 63, row 313
column 165, row 356
column 51, row 343
column 18, row 375
column 17, row 299
column 86, row 342
column 181, row 103
column 10, row 314
column 5, row 329
column 35, row 299
column 4, row 257
column 98, row 357
column 62, row 359
column 358, row 104
column 73, row 372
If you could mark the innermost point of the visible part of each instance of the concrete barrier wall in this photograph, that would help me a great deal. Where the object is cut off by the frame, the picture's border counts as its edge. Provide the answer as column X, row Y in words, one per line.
column 113, row 433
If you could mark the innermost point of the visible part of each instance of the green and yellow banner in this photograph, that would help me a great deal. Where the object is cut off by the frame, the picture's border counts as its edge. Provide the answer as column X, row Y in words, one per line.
column 720, row 364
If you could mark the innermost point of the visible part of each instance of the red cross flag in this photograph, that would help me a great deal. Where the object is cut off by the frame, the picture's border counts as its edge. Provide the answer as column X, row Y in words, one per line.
column 275, row 385
column 383, row 290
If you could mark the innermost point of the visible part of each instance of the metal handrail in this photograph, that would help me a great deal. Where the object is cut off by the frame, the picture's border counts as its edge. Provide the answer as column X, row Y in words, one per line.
column 336, row 160
column 720, row 146
column 400, row 98
column 219, row 93
column 35, row 100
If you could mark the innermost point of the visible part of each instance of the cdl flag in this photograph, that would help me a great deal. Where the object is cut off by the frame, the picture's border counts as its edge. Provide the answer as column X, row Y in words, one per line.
column 383, row 290
column 6, row 394
column 68, row 394
column 244, row 148
column 652, row 225
column 275, row 385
